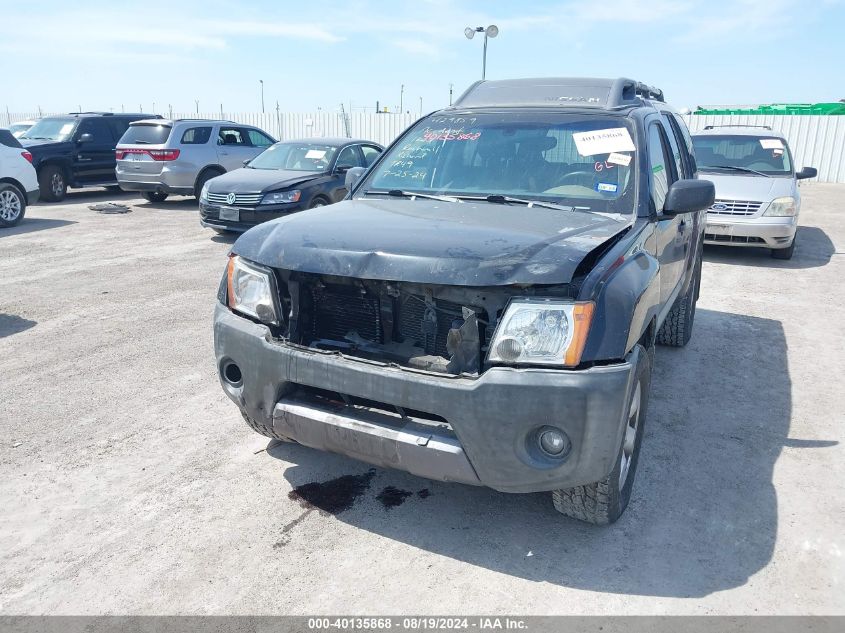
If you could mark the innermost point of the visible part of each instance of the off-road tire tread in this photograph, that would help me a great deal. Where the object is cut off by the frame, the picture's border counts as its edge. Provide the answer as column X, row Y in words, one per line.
column 260, row 428
column 590, row 503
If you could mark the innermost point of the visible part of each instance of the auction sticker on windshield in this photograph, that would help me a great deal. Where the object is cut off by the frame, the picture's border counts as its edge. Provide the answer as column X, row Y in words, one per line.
column 616, row 158
column 315, row 153
column 771, row 143
column 616, row 139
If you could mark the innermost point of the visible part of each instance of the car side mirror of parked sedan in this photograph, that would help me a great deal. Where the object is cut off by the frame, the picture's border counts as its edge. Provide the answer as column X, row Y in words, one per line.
column 86, row 138
column 247, row 162
column 688, row 195
column 807, row 172
column 353, row 175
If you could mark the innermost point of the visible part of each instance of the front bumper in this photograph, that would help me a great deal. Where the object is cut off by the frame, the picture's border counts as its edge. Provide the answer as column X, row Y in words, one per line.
column 249, row 216
column 766, row 232
column 491, row 419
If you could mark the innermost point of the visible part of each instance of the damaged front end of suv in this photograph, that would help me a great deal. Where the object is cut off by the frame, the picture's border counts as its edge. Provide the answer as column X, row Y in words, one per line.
column 481, row 309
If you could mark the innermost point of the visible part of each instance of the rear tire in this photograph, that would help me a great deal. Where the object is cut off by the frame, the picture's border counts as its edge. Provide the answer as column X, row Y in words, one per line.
column 203, row 178
column 603, row 502
column 53, row 183
column 677, row 328
column 785, row 253
column 155, row 196
column 12, row 205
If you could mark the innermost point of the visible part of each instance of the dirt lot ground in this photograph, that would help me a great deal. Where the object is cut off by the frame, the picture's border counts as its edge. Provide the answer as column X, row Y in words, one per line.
column 130, row 484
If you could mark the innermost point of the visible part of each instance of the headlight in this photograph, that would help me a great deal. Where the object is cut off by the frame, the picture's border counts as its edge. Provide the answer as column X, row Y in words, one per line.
column 251, row 291
column 282, row 197
column 204, row 192
column 781, row 207
column 541, row 332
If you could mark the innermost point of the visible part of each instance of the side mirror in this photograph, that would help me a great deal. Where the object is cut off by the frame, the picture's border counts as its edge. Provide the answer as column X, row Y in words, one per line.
column 353, row 175
column 247, row 162
column 807, row 172
column 342, row 169
column 86, row 138
column 687, row 196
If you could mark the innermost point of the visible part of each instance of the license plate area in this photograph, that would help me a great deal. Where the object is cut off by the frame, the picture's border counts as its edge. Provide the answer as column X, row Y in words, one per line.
column 230, row 213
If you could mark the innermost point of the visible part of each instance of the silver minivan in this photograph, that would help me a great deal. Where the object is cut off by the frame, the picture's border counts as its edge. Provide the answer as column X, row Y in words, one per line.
column 757, row 197
column 159, row 157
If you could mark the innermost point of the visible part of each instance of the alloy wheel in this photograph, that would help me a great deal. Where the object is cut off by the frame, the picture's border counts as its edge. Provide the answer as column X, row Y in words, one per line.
column 629, row 441
column 10, row 206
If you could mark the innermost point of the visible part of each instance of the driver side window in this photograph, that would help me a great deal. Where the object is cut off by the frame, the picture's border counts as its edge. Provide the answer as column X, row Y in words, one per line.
column 348, row 158
column 659, row 165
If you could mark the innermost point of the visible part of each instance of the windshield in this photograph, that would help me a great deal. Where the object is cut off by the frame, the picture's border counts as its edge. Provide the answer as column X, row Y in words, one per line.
column 17, row 129
column 295, row 157
column 765, row 154
column 58, row 129
column 584, row 161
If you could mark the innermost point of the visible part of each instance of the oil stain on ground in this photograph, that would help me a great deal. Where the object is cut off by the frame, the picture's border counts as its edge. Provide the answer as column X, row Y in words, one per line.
column 333, row 496
column 391, row 496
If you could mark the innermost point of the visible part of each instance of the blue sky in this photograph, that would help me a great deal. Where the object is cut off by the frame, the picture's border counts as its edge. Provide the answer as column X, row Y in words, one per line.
column 101, row 55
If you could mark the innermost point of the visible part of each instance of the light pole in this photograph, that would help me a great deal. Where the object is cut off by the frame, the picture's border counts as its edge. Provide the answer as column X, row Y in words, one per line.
column 261, row 81
column 401, row 97
column 490, row 31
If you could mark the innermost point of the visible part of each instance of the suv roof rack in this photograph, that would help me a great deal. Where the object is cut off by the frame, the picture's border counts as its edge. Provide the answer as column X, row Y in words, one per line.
column 713, row 127
column 559, row 91
column 95, row 113
column 199, row 119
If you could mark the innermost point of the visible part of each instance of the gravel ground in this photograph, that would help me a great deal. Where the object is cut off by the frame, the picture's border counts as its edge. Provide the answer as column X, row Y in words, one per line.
column 130, row 484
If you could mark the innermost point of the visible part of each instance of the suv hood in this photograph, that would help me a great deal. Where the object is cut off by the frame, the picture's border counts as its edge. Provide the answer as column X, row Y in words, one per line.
column 742, row 187
column 428, row 241
column 258, row 180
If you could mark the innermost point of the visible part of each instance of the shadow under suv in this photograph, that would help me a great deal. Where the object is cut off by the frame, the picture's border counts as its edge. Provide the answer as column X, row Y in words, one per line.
column 163, row 157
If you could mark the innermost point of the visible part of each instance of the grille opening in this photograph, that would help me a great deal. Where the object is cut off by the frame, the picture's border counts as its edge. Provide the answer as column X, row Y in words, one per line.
column 734, row 239
column 326, row 398
column 734, row 207
column 378, row 322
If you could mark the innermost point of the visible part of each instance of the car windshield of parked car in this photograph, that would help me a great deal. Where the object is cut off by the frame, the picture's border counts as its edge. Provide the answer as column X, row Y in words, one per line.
column 58, row 129
column 583, row 161
column 17, row 129
column 295, row 157
column 742, row 153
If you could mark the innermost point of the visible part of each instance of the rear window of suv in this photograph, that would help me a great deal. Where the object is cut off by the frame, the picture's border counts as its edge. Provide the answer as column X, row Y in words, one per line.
column 146, row 134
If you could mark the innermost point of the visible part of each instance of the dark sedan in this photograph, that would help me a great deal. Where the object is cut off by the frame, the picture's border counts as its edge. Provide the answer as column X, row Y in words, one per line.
column 285, row 178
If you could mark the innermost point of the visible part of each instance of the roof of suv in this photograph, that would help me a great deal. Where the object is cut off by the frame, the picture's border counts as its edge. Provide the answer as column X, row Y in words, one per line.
column 172, row 122
column 577, row 92
column 106, row 114
column 740, row 130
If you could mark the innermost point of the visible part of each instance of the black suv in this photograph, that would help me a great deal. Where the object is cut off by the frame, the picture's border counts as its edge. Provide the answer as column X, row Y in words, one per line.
column 76, row 150
column 484, row 305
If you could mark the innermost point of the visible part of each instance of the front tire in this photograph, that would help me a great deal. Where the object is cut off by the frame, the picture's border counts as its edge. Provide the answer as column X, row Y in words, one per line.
column 603, row 502
column 12, row 205
column 53, row 183
column 318, row 202
column 155, row 196
column 785, row 253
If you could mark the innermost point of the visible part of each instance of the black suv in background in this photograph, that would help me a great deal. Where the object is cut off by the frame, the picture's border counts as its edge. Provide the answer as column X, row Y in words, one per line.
column 483, row 307
column 76, row 150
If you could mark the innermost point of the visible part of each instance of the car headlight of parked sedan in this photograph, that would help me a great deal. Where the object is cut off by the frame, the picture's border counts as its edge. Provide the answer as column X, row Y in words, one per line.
column 251, row 291
column 542, row 332
column 782, row 207
column 282, row 197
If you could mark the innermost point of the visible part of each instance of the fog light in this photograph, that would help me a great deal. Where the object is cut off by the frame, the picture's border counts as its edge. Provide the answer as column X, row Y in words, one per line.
column 553, row 442
column 509, row 349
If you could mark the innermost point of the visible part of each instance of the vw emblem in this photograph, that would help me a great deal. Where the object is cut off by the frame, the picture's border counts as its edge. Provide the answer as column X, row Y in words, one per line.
column 230, row 199
column 719, row 207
